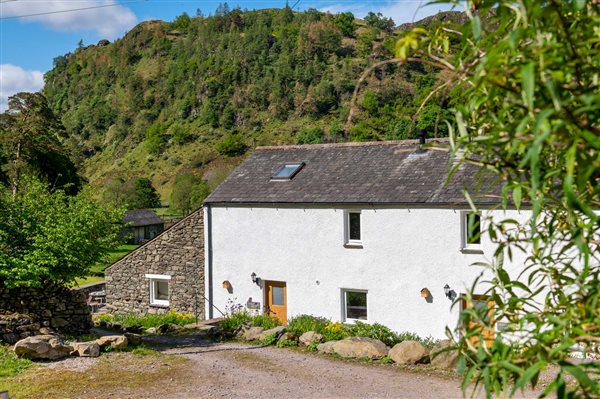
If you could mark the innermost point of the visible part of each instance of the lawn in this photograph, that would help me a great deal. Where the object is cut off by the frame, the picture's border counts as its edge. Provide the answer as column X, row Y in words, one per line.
column 97, row 271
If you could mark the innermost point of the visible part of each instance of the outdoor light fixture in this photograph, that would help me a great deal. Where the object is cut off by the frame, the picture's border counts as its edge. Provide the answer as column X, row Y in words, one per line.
column 450, row 294
column 253, row 277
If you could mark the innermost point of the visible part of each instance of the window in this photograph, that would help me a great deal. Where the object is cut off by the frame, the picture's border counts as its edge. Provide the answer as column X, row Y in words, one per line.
column 352, row 228
column 159, row 289
column 471, row 230
column 355, row 305
column 287, row 171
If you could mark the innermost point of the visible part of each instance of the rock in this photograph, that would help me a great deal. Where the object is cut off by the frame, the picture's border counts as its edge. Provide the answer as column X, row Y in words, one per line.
column 277, row 331
column 151, row 330
column 357, row 347
column 115, row 341
column 43, row 347
column 165, row 328
column 240, row 332
column 288, row 336
column 326, row 347
column 46, row 331
column 58, row 322
column 253, row 333
column 134, row 329
column 310, row 337
column 441, row 358
column 133, row 339
column 116, row 326
column 86, row 349
column 408, row 352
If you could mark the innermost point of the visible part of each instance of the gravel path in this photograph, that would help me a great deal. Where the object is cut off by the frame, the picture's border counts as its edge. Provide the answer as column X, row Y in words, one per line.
column 231, row 370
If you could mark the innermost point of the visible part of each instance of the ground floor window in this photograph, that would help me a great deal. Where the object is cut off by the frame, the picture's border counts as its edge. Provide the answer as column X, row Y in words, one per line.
column 159, row 289
column 355, row 304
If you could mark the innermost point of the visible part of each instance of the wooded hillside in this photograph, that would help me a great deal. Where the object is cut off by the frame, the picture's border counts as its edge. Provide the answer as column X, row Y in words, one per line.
column 195, row 94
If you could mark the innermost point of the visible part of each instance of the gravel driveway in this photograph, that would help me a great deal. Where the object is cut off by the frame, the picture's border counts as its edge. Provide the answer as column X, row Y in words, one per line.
column 231, row 370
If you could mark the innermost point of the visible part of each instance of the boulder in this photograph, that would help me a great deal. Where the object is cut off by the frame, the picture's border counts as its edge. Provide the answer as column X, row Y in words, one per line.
column 151, row 330
column 86, row 349
column 441, row 358
column 165, row 328
column 133, row 339
column 288, row 336
column 357, row 347
column 277, row 331
column 326, row 347
column 408, row 352
column 310, row 337
column 114, row 341
column 48, row 347
column 253, row 333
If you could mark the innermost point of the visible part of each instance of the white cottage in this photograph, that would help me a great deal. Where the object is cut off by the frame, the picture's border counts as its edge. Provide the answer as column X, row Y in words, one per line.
column 359, row 231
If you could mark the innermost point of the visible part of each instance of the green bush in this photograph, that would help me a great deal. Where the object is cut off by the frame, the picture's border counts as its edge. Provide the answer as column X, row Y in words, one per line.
column 311, row 135
column 10, row 364
column 335, row 331
column 235, row 319
column 304, row 323
column 231, row 146
column 147, row 320
column 269, row 340
column 375, row 331
column 265, row 321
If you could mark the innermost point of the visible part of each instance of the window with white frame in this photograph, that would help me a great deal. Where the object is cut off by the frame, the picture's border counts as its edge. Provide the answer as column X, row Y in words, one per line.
column 471, row 230
column 352, row 228
column 354, row 305
column 159, row 289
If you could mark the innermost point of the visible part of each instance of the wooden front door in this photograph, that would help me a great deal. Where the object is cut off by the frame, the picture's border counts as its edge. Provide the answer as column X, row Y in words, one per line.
column 484, row 306
column 276, row 300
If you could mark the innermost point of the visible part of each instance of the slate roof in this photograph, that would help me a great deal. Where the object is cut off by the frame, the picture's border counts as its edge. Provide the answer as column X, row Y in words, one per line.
column 142, row 217
column 354, row 173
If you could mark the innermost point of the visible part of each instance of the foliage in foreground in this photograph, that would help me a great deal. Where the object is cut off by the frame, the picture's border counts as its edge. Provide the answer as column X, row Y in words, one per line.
column 10, row 364
column 147, row 320
column 48, row 235
column 529, row 71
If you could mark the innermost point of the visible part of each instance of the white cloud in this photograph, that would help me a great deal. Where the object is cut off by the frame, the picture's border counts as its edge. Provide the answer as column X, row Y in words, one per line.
column 108, row 21
column 14, row 79
column 400, row 11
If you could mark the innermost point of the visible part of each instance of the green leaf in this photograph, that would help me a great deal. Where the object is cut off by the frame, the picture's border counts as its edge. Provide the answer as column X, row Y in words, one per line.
column 528, row 376
column 476, row 27
column 528, row 84
column 517, row 196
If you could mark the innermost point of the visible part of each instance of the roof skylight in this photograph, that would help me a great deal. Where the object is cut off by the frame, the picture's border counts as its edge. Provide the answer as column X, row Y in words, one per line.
column 287, row 171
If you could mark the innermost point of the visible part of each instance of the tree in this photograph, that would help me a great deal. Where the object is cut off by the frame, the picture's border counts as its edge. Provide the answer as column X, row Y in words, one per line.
column 144, row 195
column 188, row 193
column 531, row 118
column 30, row 142
column 380, row 22
column 310, row 135
column 345, row 23
column 47, row 235
column 231, row 146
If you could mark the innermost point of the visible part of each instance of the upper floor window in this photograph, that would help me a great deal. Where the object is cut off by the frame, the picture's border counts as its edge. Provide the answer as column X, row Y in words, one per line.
column 353, row 228
column 471, row 230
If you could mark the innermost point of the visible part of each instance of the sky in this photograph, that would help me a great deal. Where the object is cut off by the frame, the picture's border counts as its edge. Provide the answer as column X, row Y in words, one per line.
column 33, row 32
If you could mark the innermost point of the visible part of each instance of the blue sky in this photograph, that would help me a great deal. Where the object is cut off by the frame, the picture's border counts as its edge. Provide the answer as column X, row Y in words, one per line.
column 29, row 44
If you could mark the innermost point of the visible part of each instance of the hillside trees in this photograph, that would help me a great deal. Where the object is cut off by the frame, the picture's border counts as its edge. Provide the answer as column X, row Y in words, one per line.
column 531, row 117
column 188, row 193
column 131, row 194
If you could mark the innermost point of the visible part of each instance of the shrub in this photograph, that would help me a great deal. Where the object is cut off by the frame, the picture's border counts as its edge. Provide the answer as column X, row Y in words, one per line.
column 335, row 331
column 375, row 331
column 234, row 319
column 269, row 340
column 311, row 135
column 147, row 320
column 231, row 146
column 265, row 321
column 304, row 323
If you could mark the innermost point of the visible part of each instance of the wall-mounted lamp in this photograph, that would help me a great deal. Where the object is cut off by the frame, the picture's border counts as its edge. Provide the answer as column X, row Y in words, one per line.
column 253, row 277
column 450, row 293
column 227, row 285
column 425, row 293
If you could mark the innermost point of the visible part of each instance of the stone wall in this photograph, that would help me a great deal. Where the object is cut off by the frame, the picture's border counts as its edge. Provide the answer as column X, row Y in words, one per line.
column 28, row 311
column 179, row 253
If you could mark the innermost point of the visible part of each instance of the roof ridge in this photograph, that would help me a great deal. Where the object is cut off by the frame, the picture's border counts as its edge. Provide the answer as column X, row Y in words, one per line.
column 410, row 142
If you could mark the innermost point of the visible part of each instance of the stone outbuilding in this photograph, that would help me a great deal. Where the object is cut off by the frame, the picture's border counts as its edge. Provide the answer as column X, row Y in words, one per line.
column 142, row 225
column 163, row 274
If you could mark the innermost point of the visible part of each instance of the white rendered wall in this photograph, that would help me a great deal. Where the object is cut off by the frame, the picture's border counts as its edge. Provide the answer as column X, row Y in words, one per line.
column 404, row 250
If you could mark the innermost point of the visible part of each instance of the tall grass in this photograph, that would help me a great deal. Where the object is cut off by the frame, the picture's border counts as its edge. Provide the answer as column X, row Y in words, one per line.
column 10, row 364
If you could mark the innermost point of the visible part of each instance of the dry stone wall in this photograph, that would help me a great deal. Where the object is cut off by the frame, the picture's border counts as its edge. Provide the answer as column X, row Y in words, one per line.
column 51, row 308
column 178, row 252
